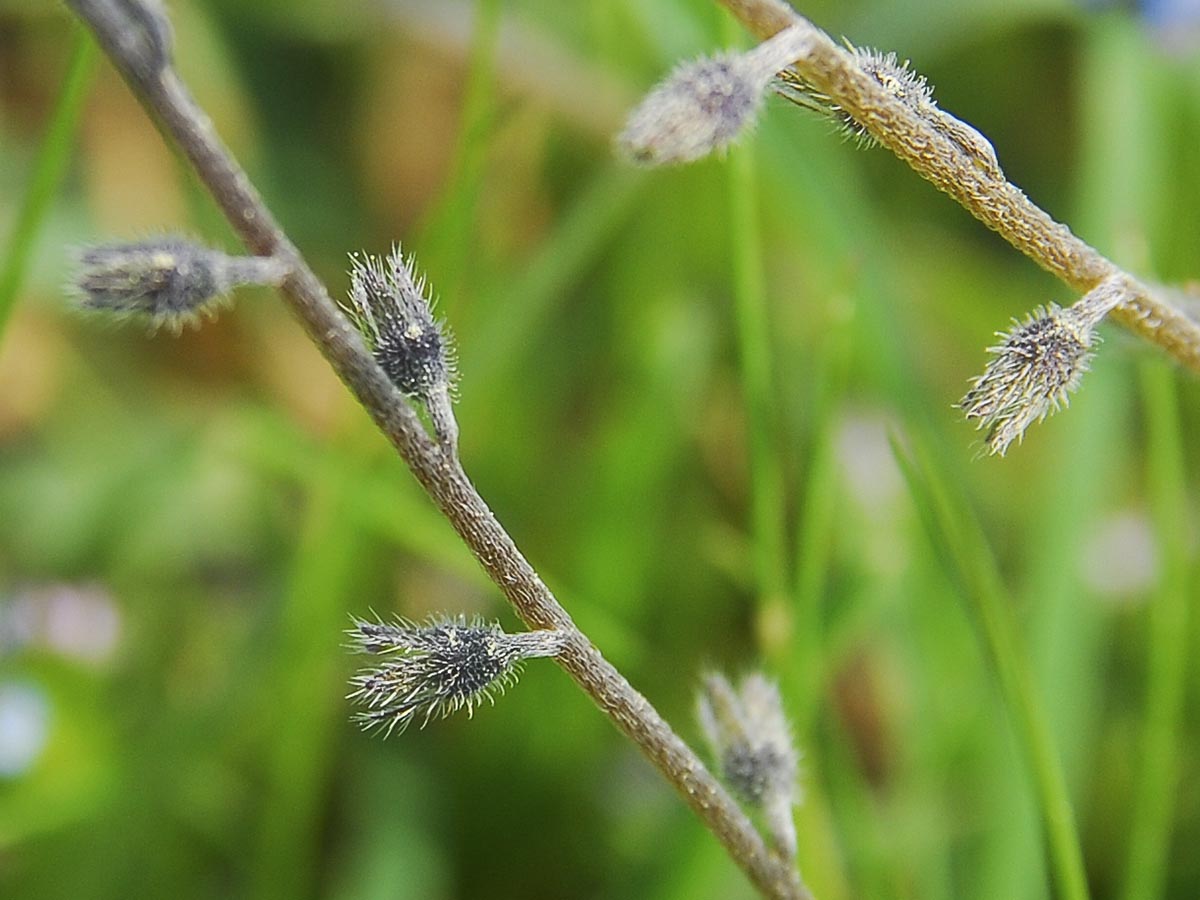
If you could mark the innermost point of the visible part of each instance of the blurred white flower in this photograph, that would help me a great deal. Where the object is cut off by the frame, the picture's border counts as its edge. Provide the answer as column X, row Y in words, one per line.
column 24, row 727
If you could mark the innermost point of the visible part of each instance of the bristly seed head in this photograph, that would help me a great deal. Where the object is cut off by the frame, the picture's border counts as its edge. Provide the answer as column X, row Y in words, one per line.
column 389, row 307
column 752, row 742
column 905, row 85
column 705, row 105
column 1036, row 367
column 438, row 667
column 909, row 87
column 167, row 282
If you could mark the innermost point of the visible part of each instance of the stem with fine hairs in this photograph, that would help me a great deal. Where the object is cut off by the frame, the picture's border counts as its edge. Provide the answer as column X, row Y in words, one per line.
column 982, row 189
column 137, row 38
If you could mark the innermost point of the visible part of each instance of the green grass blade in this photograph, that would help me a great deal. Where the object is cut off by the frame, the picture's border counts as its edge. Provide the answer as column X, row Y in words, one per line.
column 1166, row 652
column 752, row 320
column 818, row 517
column 451, row 224
column 496, row 345
column 48, row 170
column 754, row 350
column 304, row 702
column 960, row 545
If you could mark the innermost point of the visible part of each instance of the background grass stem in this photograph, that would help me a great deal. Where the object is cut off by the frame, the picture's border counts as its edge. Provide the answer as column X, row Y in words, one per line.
column 751, row 319
column 962, row 548
column 1167, row 640
column 49, row 168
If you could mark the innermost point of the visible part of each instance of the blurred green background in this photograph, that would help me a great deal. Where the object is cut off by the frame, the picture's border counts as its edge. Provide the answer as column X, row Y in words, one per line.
column 677, row 392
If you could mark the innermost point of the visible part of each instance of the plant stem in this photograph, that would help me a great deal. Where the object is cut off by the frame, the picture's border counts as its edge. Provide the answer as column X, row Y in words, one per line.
column 982, row 191
column 956, row 536
column 48, row 171
column 302, row 714
column 450, row 227
column 817, row 518
column 1166, row 658
column 137, row 42
column 754, row 350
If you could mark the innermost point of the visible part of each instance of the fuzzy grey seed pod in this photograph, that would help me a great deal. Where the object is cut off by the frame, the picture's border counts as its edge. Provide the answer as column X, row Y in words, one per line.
column 1037, row 365
column 705, row 105
column 389, row 307
column 751, row 739
column 167, row 282
column 434, row 669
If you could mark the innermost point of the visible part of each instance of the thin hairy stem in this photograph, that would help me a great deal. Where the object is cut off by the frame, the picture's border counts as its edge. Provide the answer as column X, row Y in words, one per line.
column 938, row 153
column 138, row 41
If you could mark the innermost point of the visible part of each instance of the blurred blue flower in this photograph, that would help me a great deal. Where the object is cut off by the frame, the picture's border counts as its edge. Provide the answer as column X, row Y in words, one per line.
column 1175, row 23
column 1171, row 13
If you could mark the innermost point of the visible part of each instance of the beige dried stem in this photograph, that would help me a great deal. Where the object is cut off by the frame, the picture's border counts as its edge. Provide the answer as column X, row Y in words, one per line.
column 933, row 145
